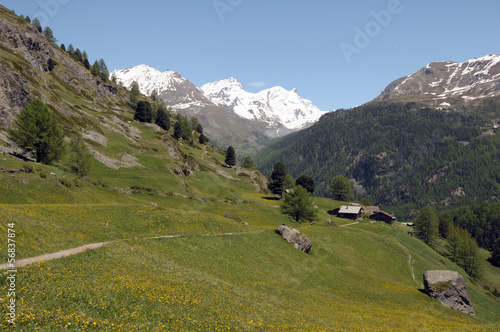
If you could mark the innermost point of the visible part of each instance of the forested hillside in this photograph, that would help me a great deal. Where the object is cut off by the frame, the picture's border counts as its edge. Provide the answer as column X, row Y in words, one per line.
column 401, row 156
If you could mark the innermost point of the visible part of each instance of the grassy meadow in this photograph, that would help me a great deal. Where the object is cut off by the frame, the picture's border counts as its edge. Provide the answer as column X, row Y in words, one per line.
column 226, row 270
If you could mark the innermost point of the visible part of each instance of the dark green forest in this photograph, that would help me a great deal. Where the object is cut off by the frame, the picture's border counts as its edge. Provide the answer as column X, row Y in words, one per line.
column 400, row 156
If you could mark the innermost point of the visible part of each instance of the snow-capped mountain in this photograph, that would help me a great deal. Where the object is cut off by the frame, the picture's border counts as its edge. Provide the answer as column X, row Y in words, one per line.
column 274, row 105
column 470, row 80
column 177, row 91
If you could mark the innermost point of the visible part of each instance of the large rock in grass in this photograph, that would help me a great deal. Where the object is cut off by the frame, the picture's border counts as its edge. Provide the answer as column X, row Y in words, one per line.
column 299, row 240
column 449, row 288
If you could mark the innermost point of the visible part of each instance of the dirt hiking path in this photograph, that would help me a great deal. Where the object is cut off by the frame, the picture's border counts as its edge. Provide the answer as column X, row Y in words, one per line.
column 92, row 246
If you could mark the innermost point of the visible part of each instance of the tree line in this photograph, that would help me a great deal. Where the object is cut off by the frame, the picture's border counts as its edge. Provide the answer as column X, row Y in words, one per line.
column 99, row 68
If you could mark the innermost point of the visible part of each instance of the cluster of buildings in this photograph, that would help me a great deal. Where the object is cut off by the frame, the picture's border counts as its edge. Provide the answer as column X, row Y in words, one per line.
column 356, row 211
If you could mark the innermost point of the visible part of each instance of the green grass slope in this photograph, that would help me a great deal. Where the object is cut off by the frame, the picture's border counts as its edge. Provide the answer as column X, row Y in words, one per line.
column 220, row 273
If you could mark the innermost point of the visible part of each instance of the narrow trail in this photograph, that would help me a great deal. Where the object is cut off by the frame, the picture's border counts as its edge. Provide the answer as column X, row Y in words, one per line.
column 410, row 264
column 93, row 246
column 354, row 223
column 55, row 255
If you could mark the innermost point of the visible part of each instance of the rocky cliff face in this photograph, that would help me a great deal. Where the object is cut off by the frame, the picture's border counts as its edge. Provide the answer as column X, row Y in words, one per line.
column 24, row 54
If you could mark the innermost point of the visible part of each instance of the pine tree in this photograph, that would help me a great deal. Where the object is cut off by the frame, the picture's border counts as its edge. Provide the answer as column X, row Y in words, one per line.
column 307, row 182
column 298, row 205
column 248, row 162
column 36, row 24
column 71, row 49
column 49, row 34
column 426, row 225
column 63, row 47
column 96, row 69
column 453, row 244
column 277, row 179
column 230, row 156
column 28, row 19
column 162, row 119
column 104, row 74
column 85, row 55
column 134, row 93
column 199, row 128
column 81, row 158
column 203, row 139
column 86, row 63
column 495, row 256
column 143, row 112
column 51, row 64
column 36, row 130
column 341, row 189
column 177, row 130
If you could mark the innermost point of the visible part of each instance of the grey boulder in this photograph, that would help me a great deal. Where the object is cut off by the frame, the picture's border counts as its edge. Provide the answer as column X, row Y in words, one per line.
column 449, row 288
column 299, row 240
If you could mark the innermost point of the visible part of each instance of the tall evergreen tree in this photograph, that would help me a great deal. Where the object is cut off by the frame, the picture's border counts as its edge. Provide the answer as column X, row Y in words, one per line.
column 177, row 130
column 71, row 49
column 96, row 69
column 49, row 34
column 36, row 24
column 199, row 128
column 341, row 189
column 143, row 112
column 277, row 179
column 162, row 119
column 63, row 47
column 426, row 225
column 307, row 182
column 36, row 130
column 104, row 74
column 230, row 156
column 298, row 205
column 495, row 256
column 81, row 158
column 28, row 19
column 134, row 93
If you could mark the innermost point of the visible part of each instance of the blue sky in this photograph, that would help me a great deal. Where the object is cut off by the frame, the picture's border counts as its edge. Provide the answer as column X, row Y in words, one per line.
column 338, row 54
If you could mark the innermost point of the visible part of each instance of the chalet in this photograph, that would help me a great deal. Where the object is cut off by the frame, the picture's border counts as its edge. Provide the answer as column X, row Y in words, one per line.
column 383, row 216
column 350, row 212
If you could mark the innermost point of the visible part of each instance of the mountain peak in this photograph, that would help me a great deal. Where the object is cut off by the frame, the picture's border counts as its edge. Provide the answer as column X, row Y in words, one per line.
column 470, row 80
column 273, row 105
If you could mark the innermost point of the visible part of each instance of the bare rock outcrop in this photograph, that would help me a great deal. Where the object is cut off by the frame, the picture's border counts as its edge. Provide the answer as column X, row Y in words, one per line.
column 292, row 235
column 449, row 288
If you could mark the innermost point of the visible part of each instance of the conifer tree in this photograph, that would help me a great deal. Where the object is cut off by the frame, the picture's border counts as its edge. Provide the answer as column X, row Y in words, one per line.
column 307, row 182
column 36, row 24
column 177, row 130
column 230, row 156
column 277, row 179
column 36, row 130
column 49, row 34
column 134, row 93
column 298, row 205
column 63, row 47
column 162, row 119
column 81, row 158
column 495, row 256
column 96, row 69
column 143, row 112
column 426, row 225
column 341, row 189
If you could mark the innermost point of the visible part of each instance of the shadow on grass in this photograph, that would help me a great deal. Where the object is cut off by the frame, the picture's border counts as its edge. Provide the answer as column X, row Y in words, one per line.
column 272, row 198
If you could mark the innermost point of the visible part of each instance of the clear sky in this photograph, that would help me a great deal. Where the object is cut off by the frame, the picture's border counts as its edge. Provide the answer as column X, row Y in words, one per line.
column 338, row 54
